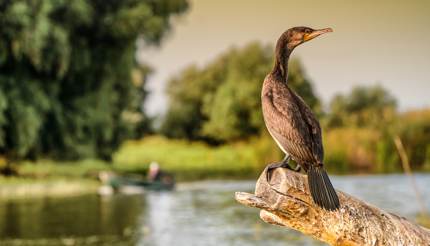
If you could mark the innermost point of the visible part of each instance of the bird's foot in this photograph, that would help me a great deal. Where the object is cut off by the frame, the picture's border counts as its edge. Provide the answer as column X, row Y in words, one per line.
column 298, row 168
column 275, row 165
column 270, row 168
column 286, row 161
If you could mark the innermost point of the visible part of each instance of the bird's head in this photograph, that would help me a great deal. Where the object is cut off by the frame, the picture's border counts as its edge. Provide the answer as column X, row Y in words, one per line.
column 295, row 36
column 290, row 39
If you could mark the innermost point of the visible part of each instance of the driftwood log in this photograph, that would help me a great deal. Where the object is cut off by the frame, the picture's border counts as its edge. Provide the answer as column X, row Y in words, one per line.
column 286, row 201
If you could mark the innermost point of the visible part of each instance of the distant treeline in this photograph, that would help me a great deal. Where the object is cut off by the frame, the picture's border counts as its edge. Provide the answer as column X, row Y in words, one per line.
column 220, row 103
column 70, row 86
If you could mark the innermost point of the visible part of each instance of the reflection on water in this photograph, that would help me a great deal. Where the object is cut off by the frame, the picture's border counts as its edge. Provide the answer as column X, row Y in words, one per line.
column 201, row 213
column 80, row 219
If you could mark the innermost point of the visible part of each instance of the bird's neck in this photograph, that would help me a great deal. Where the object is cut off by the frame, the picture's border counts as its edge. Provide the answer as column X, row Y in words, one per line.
column 280, row 69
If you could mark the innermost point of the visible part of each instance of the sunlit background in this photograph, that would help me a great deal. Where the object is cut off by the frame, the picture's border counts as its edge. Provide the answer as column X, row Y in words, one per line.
column 93, row 92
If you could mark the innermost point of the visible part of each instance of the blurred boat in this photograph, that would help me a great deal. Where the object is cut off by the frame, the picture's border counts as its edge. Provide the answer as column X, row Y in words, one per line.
column 132, row 185
column 117, row 182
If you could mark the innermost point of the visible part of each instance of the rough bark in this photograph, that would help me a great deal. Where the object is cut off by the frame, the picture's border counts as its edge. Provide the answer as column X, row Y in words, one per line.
column 286, row 201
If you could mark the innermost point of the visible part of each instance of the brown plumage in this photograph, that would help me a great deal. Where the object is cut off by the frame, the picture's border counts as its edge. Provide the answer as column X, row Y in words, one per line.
column 291, row 122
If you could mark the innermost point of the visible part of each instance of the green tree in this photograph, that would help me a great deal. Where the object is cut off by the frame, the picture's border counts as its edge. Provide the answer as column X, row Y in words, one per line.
column 363, row 106
column 221, row 101
column 70, row 86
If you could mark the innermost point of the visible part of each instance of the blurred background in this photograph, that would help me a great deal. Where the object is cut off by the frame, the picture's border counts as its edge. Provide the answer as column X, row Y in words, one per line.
column 93, row 91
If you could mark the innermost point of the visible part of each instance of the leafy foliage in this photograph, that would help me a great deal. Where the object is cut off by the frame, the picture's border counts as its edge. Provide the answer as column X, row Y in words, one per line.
column 361, row 126
column 66, row 84
column 221, row 101
column 363, row 106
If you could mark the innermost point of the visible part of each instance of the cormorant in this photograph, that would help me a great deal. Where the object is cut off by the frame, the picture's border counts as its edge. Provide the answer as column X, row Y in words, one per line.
column 291, row 122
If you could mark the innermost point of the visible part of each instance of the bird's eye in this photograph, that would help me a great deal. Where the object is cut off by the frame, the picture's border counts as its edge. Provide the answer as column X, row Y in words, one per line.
column 308, row 31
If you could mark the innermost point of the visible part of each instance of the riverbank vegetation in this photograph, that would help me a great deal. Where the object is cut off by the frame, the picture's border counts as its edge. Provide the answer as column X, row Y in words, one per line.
column 348, row 150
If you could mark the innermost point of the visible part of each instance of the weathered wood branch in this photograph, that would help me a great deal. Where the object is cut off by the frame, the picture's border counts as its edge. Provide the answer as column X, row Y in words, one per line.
column 286, row 201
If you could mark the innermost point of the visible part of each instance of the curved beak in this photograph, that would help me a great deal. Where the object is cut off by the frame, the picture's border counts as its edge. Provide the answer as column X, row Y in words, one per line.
column 316, row 33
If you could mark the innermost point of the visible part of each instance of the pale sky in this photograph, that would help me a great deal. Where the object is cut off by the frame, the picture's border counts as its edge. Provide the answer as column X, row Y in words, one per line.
column 374, row 41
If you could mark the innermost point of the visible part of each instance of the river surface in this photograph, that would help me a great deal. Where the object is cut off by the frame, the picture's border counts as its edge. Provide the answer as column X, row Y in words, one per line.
column 200, row 213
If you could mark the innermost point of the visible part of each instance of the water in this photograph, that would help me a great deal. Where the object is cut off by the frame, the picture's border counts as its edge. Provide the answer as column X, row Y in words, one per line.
column 201, row 213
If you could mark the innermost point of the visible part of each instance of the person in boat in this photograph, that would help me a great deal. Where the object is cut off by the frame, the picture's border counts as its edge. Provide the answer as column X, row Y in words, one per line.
column 155, row 174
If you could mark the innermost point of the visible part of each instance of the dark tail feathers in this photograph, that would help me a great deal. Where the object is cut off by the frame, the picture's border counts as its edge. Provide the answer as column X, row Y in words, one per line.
column 322, row 190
